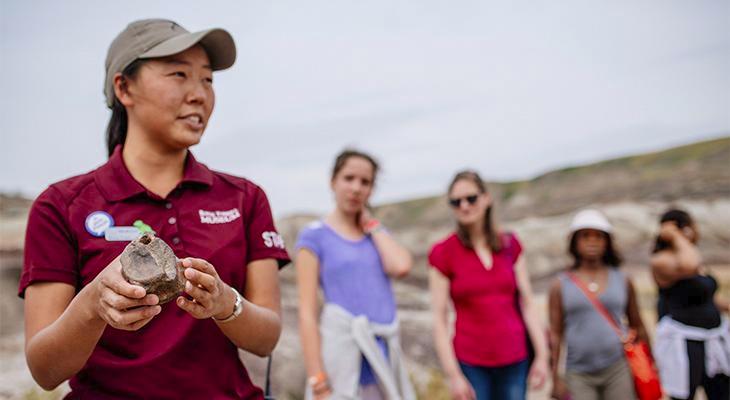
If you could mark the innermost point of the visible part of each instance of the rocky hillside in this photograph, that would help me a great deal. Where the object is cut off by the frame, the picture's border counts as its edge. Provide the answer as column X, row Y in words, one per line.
column 632, row 191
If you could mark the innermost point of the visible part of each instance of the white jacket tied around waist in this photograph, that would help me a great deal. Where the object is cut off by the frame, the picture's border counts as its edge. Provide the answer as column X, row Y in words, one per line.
column 670, row 353
column 346, row 339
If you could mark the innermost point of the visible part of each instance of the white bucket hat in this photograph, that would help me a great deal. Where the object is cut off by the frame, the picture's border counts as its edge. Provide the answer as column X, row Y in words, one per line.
column 590, row 219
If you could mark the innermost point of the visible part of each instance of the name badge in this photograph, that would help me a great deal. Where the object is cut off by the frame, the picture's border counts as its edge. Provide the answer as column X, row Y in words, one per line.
column 121, row 233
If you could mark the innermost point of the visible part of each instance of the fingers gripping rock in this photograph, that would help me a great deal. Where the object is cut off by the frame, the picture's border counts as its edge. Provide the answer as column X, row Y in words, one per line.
column 149, row 262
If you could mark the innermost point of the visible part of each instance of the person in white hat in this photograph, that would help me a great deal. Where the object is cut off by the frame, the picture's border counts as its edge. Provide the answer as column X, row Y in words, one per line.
column 595, row 363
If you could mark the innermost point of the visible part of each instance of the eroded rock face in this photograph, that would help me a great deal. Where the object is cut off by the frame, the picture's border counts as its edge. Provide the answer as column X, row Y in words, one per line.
column 149, row 262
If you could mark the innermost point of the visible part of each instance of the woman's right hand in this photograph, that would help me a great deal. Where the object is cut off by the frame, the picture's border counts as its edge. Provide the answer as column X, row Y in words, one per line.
column 120, row 304
column 560, row 389
column 323, row 395
column 669, row 231
column 461, row 388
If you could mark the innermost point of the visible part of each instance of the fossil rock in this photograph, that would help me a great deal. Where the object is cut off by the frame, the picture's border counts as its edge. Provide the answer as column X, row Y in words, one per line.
column 149, row 262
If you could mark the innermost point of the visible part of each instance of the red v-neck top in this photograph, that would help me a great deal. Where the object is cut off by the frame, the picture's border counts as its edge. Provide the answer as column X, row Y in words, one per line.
column 489, row 330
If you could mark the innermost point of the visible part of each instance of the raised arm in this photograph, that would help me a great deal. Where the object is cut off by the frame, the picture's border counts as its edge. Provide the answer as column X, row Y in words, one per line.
column 680, row 262
column 397, row 260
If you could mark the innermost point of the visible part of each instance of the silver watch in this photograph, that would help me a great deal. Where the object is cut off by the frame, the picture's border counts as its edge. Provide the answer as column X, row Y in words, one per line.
column 237, row 308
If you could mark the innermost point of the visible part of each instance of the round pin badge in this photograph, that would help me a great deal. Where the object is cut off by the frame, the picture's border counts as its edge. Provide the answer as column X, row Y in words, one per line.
column 98, row 222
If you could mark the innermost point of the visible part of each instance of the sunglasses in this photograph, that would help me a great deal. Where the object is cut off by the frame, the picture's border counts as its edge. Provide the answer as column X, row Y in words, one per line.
column 456, row 202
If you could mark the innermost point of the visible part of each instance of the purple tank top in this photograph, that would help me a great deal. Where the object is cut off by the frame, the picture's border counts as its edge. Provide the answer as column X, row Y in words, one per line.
column 350, row 272
column 351, row 275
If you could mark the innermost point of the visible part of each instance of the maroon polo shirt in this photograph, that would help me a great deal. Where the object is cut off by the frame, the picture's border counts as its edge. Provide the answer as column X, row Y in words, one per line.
column 217, row 217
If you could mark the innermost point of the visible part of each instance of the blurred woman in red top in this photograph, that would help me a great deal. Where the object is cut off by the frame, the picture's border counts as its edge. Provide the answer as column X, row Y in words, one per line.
column 481, row 271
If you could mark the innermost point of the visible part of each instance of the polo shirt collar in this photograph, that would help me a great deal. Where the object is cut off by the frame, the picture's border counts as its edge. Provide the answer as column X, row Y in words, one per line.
column 118, row 184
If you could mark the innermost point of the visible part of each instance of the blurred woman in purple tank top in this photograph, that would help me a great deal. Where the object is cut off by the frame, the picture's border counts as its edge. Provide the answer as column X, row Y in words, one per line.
column 351, row 257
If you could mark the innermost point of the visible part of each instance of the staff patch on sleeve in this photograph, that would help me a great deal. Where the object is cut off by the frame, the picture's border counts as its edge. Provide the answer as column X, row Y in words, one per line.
column 273, row 239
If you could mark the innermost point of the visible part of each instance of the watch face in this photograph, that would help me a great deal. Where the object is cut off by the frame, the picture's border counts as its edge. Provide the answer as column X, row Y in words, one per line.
column 238, row 306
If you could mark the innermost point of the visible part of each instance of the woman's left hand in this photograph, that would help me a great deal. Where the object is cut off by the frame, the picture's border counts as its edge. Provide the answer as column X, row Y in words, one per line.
column 538, row 373
column 210, row 295
column 364, row 217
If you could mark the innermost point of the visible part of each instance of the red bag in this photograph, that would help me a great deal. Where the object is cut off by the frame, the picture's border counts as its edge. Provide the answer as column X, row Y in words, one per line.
column 641, row 363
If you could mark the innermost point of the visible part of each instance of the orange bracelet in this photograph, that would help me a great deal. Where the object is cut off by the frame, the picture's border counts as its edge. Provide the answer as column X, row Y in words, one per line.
column 317, row 379
column 371, row 226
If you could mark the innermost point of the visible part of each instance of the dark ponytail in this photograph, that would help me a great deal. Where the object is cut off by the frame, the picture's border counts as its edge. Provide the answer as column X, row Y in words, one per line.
column 116, row 130
column 494, row 239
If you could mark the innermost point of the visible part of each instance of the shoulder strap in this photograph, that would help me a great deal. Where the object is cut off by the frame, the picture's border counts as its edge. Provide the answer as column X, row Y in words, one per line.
column 596, row 303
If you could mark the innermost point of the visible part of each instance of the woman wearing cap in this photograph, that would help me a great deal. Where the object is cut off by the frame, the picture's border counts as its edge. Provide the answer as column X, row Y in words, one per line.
column 595, row 363
column 484, row 274
column 83, row 321
column 692, row 345
column 354, row 351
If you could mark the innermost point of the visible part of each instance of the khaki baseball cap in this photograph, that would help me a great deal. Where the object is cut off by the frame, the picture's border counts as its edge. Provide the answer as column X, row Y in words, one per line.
column 152, row 38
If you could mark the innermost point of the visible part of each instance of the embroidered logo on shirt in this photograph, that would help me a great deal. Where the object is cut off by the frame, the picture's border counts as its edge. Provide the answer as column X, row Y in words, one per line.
column 219, row 217
column 273, row 239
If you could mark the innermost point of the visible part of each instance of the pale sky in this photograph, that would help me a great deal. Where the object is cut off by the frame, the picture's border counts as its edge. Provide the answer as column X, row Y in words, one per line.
column 512, row 89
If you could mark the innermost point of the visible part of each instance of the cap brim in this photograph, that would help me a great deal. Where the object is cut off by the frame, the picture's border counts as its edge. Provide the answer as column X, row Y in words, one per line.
column 218, row 44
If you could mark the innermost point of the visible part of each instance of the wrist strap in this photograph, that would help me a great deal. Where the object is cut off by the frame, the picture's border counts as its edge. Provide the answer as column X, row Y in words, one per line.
column 237, row 306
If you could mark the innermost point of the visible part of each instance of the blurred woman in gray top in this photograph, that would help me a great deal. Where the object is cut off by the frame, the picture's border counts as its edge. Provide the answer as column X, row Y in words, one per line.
column 595, row 363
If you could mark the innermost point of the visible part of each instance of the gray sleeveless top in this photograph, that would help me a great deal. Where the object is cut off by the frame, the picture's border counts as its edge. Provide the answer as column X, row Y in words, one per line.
column 592, row 344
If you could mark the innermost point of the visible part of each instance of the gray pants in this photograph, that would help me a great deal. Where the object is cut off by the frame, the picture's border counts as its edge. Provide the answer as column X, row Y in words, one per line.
column 612, row 383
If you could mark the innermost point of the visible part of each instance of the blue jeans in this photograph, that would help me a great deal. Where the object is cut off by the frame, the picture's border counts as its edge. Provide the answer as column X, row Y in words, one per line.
column 498, row 383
